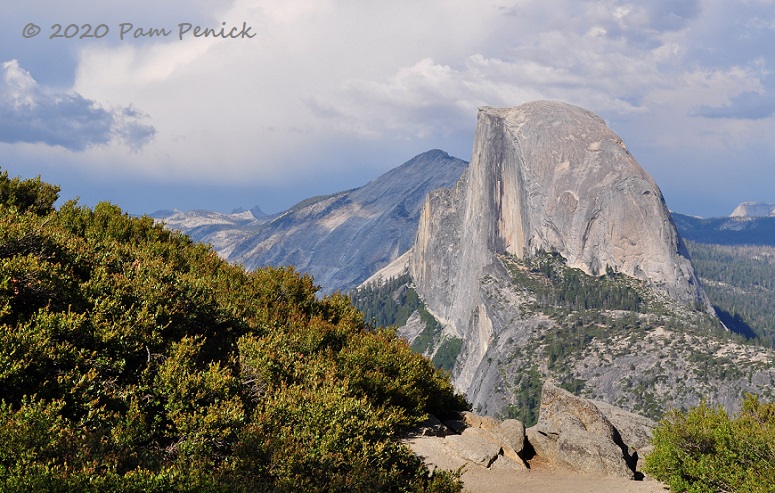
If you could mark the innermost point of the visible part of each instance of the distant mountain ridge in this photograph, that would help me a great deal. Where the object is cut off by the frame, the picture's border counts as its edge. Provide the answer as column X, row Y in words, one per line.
column 726, row 230
column 342, row 238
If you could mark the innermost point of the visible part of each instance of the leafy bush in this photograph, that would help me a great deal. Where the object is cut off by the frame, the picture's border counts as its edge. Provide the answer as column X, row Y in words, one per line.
column 132, row 359
column 28, row 195
column 707, row 450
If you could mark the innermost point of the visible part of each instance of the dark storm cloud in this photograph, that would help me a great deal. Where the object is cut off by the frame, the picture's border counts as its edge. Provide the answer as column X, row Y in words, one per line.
column 31, row 114
column 747, row 106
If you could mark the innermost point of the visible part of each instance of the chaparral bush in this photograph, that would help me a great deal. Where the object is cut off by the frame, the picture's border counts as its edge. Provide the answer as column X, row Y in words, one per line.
column 132, row 359
column 707, row 450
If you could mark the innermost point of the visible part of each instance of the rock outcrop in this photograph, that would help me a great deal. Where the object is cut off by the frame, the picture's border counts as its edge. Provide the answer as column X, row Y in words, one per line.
column 547, row 176
column 572, row 433
column 575, row 432
column 472, row 439
column 544, row 176
column 550, row 176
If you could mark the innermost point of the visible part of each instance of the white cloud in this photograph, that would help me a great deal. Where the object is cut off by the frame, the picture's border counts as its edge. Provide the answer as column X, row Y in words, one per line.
column 325, row 81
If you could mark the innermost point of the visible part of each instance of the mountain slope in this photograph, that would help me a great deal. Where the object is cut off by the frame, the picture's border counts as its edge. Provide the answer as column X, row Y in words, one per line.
column 341, row 239
column 740, row 282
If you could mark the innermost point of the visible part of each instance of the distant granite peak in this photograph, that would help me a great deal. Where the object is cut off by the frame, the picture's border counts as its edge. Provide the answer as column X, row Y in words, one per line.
column 754, row 209
column 342, row 238
column 257, row 212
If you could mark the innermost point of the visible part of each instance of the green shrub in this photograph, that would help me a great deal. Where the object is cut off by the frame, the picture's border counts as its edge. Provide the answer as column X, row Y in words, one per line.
column 707, row 450
column 27, row 195
column 132, row 359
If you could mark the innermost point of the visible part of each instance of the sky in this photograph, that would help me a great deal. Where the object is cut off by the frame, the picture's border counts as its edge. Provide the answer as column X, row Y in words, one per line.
column 120, row 101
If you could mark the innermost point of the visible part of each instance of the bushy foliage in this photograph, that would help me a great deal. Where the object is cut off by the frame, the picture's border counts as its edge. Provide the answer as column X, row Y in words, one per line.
column 707, row 450
column 132, row 359
column 28, row 195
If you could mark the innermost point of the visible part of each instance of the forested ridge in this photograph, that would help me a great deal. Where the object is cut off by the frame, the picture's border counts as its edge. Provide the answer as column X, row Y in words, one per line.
column 726, row 230
column 740, row 282
column 132, row 359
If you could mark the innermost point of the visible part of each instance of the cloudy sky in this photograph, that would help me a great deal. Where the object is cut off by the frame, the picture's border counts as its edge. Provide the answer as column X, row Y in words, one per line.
column 329, row 94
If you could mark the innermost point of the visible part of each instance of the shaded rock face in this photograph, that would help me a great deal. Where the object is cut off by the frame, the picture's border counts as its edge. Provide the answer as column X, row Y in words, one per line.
column 576, row 433
column 550, row 176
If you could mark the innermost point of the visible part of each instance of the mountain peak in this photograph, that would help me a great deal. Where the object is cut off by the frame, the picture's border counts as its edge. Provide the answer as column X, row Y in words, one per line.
column 342, row 238
column 550, row 176
column 753, row 209
column 544, row 177
column 257, row 212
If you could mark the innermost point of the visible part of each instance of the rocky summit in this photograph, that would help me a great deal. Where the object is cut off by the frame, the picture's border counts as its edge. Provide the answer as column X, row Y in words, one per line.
column 554, row 256
column 754, row 209
column 550, row 176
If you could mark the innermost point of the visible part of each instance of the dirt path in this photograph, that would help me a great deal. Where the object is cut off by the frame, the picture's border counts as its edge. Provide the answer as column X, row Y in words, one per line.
column 540, row 478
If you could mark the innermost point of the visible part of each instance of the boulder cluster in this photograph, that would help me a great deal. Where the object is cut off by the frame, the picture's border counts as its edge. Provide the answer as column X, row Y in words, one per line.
column 571, row 432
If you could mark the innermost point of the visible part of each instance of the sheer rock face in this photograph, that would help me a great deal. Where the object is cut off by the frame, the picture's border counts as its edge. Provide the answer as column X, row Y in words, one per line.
column 543, row 176
column 552, row 176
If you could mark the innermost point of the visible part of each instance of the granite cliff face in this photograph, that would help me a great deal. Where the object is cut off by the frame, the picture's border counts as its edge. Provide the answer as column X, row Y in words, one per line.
column 544, row 176
column 551, row 176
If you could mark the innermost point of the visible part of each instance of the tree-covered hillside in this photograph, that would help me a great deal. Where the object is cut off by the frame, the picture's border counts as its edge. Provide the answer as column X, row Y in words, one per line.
column 610, row 338
column 132, row 359
column 740, row 282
